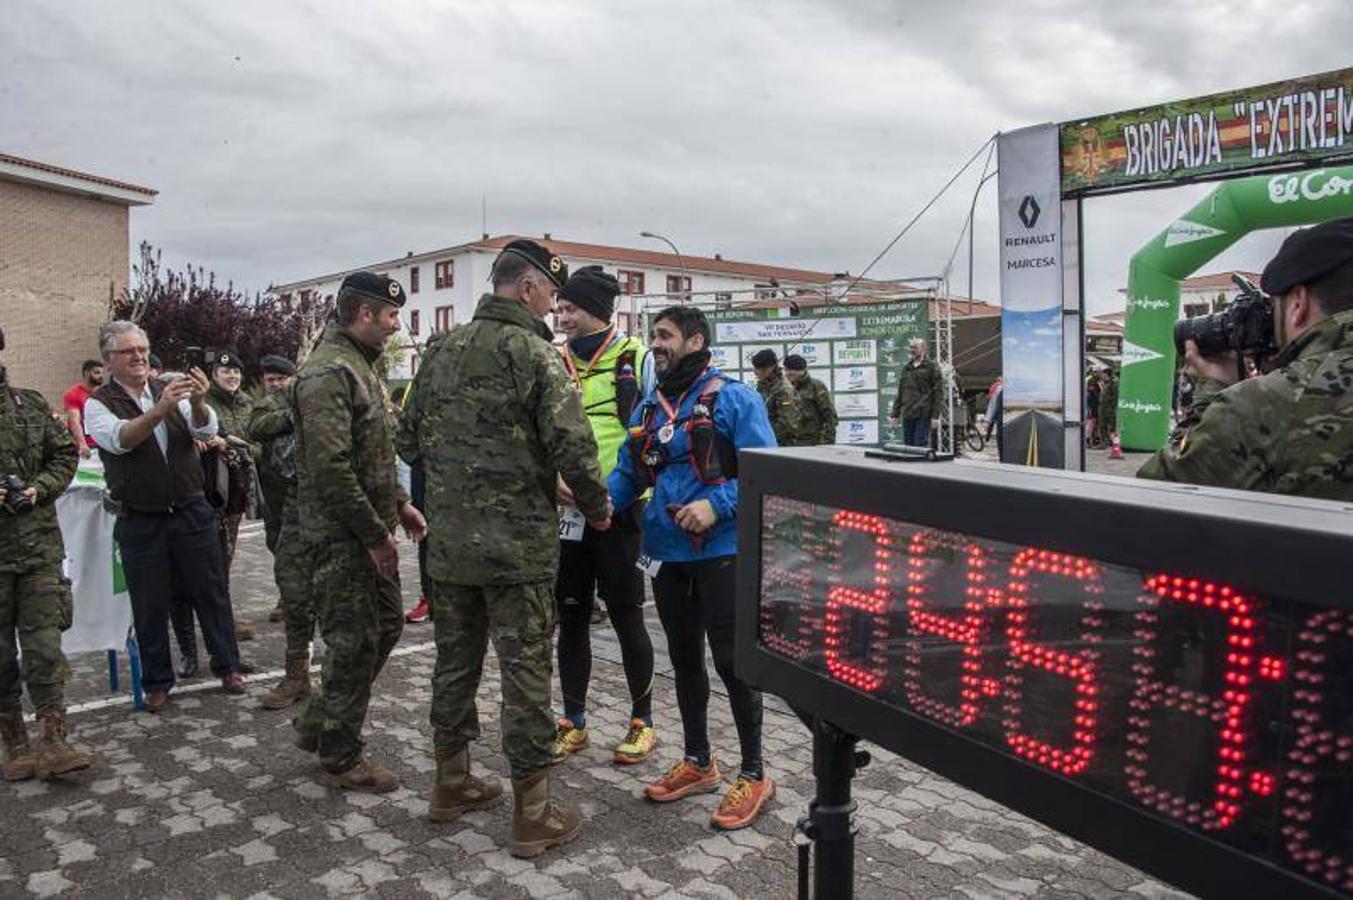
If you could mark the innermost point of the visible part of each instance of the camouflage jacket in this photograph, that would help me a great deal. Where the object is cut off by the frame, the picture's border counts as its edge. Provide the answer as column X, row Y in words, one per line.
column 920, row 391
column 782, row 407
column 817, row 413
column 493, row 417
column 1108, row 406
column 1287, row 432
column 40, row 452
column 346, row 486
column 272, row 428
column 232, row 414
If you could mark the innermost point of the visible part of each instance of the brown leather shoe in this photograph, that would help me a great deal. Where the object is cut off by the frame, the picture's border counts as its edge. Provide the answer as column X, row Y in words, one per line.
column 243, row 630
column 276, row 615
column 366, row 776
column 233, row 683
column 156, row 700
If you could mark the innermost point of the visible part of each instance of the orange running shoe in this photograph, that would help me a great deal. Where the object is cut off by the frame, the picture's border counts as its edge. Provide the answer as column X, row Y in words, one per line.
column 742, row 804
column 683, row 779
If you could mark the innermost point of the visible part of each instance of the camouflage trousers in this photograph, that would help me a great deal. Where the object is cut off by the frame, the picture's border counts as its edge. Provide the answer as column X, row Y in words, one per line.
column 519, row 618
column 35, row 607
column 293, row 568
column 361, row 616
column 229, row 529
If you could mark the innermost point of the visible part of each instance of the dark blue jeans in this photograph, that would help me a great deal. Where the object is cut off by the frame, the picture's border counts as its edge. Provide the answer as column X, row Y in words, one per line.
column 916, row 432
column 165, row 552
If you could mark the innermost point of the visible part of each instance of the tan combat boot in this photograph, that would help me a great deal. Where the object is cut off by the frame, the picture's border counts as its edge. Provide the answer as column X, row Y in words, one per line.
column 54, row 755
column 366, row 776
column 14, row 736
column 455, row 790
column 538, row 824
column 295, row 684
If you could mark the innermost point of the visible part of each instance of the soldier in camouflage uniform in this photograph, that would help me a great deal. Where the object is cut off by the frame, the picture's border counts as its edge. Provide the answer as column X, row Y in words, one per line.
column 782, row 404
column 35, row 600
column 495, row 420
column 349, row 502
column 1108, row 405
column 272, row 427
column 817, row 424
column 1289, row 431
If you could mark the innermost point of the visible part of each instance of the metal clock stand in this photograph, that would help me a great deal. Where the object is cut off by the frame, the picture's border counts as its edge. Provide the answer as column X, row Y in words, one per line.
column 829, row 828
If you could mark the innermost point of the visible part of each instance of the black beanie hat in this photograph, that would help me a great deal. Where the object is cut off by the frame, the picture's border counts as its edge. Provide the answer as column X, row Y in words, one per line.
column 592, row 289
column 796, row 363
column 1308, row 254
column 277, row 365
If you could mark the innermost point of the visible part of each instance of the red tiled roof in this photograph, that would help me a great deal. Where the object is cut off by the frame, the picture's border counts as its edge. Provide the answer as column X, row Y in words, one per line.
column 661, row 260
column 72, row 173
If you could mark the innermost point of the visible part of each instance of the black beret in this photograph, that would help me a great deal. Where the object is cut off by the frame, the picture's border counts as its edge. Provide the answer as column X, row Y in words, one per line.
column 553, row 267
column 1308, row 254
column 377, row 287
column 796, row 362
column 593, row 289
column 225, row 359
column 277, row 365
column 764, row 359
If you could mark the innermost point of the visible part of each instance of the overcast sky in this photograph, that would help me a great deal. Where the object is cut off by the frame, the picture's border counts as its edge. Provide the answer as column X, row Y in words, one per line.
column 295, row 138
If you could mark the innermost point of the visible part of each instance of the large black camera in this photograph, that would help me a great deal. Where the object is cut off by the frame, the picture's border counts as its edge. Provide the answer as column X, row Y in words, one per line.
column 1245, row 327
column 15, row 499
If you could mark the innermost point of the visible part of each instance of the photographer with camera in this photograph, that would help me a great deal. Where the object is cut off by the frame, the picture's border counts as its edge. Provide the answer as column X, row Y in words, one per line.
column 147, row 432
column 37, row 461
column 1289, row 431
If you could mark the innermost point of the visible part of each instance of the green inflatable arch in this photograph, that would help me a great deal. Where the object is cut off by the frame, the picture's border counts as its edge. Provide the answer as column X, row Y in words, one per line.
column 1226, row 215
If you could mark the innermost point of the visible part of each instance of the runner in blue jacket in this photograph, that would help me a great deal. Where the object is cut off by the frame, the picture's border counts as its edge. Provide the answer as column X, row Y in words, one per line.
column 683, row 443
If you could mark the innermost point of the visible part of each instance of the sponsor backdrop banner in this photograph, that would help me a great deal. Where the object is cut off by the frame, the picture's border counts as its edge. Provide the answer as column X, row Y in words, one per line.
column 855, row 350
column 1031, row 297
column 1304, row 120
column 1226, row 215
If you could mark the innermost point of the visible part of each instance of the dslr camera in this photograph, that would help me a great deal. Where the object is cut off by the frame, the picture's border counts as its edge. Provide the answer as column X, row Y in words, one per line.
column 15, row 501
column 1245, row 327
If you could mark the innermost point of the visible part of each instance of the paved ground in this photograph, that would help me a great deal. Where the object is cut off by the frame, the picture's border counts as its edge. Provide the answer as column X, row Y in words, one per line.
column 210, row 799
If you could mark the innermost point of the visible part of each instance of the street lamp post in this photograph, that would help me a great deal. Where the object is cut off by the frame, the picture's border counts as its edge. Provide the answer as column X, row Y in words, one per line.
column 685, row 273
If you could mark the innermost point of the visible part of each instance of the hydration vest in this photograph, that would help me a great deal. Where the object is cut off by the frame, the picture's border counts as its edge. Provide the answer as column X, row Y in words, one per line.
column 711, row 455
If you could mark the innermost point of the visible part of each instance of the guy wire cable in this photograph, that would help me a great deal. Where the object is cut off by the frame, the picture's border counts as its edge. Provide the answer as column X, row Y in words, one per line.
column 884, row 252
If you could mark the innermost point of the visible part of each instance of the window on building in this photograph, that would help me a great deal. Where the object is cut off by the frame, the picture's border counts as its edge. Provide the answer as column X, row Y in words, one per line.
column 445, row 273
column 723, row 300
column 444, row 318
column 765, row 292
column 414, row 324
column 413, row 280
column 1195, row 309
column 630, row 282
column 678, row 284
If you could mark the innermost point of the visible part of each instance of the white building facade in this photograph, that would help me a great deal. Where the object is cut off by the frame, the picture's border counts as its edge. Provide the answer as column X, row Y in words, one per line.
column 444, row 286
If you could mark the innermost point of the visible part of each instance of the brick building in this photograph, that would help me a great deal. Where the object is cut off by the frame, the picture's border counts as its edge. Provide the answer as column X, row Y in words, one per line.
column 63, row 255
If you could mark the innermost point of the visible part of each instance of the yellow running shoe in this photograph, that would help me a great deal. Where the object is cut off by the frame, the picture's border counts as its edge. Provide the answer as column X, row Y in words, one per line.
column 638, row 744
column 567, row 739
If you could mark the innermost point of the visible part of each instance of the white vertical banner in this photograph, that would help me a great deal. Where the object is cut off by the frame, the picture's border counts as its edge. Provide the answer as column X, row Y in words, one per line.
column 1031, row 297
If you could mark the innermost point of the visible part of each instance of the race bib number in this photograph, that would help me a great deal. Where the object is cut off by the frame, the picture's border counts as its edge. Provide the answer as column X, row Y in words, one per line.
column 571, row 524
column 648, row 565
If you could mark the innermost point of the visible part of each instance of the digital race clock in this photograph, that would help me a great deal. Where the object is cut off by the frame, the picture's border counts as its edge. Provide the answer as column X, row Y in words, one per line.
column 1163, row 672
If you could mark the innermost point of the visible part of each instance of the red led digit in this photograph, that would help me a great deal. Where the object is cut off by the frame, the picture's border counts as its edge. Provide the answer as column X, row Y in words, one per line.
column 1227, row 713
column 1316, row 817
column 965, row 626
column 783, row 590
column 845, row 603
column 1079, row 666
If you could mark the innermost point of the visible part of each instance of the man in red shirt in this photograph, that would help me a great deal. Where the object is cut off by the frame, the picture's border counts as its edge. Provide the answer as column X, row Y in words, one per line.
column 91, row 373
